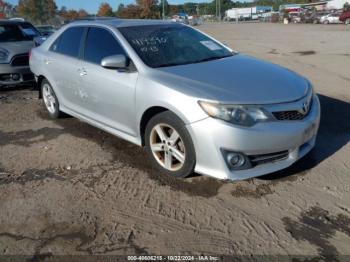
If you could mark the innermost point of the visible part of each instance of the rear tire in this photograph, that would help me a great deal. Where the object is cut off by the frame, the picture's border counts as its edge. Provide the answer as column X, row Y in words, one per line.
column 169, row 145
column 50, row 100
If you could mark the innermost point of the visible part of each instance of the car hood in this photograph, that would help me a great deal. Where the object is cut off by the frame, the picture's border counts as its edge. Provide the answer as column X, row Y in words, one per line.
column 16, row 48
column 237, row 79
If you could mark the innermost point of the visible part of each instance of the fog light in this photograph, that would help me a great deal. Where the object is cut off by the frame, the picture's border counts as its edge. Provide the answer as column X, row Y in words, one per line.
column 15, row 77
column 236, row 160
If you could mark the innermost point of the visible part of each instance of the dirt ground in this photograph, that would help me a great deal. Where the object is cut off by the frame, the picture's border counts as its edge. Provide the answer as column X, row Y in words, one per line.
column 69, row 188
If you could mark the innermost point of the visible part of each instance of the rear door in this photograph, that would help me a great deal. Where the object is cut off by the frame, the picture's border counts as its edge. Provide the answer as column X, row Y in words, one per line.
column 109, row 93
column 63, row 64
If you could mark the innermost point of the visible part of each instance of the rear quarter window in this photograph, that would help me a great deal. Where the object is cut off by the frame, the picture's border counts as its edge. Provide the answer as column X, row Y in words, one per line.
column 69, row 42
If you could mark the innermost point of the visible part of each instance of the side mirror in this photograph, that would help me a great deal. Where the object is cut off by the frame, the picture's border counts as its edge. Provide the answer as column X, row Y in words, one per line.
column 38, row 40
column 115, row 62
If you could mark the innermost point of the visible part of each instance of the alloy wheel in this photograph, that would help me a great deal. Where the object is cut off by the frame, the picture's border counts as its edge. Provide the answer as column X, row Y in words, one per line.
column 167, row 147
column 49, row 98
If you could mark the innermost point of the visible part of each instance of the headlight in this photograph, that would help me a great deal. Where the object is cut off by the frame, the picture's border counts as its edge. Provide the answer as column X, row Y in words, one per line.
column 4, row 55
column 244, row 115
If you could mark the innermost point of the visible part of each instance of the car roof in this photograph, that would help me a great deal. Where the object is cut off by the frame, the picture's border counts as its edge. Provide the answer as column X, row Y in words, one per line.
column 115, row 22
column 12, row 22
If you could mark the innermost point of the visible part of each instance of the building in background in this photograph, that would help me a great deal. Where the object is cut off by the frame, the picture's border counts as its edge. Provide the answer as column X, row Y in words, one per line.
column 318, row 5
column 247, row 13
column 336, row 4
column 290, row 8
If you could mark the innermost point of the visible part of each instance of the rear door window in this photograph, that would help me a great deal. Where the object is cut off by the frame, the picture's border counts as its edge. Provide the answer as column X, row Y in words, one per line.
column 29, row 31
column 10, row 33
column 69, row 42
column 100, row 43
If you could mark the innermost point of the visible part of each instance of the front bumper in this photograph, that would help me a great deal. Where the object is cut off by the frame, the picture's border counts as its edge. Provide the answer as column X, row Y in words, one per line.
column 212, row 136
column 7, row 72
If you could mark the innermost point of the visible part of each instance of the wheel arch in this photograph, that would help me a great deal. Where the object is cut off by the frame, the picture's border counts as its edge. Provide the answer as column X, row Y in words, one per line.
column 150, row 112
column 39, row 82
column 146, row 117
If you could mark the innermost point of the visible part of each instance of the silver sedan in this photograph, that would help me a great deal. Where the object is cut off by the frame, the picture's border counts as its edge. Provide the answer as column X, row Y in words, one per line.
column 194, row 104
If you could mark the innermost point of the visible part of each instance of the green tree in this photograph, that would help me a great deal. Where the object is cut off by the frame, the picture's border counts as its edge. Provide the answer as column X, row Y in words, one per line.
column 346, row 6
column 120, row 9
column 37, row 11
column 166, row 8
column 105, row 10
column 82, row 13
column 173, row 9
column 149, row 8
column 130, row 11
column 190, row 8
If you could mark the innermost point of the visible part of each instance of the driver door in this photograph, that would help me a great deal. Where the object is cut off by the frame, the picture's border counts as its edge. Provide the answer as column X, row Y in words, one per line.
column 108, row 95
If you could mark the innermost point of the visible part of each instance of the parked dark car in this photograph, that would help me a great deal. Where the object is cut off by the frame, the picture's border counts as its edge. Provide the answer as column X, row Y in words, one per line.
column 16, row 41
column 345, row 17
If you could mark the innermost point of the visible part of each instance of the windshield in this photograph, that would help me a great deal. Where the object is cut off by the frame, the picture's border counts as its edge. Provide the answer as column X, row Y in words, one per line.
column 171, row 45
column 14, row 33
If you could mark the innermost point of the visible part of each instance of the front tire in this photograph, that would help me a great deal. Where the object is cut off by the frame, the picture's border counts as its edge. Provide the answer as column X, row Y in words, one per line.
column 169, row 145
column 50, row 100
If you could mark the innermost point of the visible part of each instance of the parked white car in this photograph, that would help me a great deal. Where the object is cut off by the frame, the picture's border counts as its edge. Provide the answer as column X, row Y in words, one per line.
column 330, row 19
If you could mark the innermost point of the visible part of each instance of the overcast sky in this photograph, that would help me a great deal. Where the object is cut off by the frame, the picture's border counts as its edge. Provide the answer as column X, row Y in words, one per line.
column 92, row 5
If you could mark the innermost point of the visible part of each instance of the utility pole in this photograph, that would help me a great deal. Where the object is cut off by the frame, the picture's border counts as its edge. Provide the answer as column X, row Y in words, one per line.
column 163, row 12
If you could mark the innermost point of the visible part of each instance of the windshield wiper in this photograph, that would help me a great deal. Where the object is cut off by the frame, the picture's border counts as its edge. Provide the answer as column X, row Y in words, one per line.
column 174, row 64
column 195, row 62
column 211, row 58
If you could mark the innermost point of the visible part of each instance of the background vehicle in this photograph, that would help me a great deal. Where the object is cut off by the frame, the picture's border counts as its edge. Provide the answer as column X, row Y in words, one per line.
column 183, row 95
column 294, row 17
column 45, row 30
column 345, row 17
column 16, row 41
column 332, row 18
column 194, row 21
column 180, row 18
column 39, row 40
column 312, row 17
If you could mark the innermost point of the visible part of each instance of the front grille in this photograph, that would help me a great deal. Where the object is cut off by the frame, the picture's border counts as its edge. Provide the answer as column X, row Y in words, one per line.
column 5, row 77
column 268, row 158
column 289, row 115
column 20, row 60
column 294, row 115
